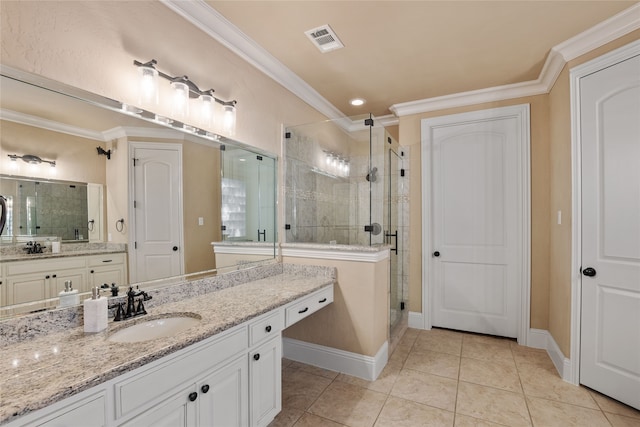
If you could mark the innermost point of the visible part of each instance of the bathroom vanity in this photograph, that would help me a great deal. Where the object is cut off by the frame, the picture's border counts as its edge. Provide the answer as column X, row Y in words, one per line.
column 224, row 371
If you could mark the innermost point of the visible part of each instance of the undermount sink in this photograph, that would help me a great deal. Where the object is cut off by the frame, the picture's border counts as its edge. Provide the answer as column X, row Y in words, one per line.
column 159, row 327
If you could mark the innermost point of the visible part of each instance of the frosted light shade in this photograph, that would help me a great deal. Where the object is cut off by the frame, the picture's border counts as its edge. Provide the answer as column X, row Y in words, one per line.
column 180, row 101
column 229, row 120
column 207, row 111
column 148, row 90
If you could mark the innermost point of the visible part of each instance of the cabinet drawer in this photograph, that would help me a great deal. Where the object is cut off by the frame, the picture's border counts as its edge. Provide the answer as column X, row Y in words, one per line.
column 45, row 266
column 266, row 327
column 105, row 259
column 87, row 412
column 153, row 384
column 308, row 305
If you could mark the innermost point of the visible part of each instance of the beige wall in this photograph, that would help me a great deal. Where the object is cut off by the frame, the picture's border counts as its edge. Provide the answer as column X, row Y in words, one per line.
column 357, row 320
column 410, row 135
column 561, row 193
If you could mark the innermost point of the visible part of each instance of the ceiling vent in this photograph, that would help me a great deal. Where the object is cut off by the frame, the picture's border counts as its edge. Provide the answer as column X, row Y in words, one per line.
column 324, row 38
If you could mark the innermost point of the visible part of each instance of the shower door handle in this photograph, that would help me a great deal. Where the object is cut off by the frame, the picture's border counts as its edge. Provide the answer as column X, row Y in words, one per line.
column 396, row 237
column 262, row 233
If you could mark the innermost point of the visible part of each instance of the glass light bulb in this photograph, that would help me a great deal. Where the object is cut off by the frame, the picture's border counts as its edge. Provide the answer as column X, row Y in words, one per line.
column 180, row 102
column 229, row 120
column 148, row 91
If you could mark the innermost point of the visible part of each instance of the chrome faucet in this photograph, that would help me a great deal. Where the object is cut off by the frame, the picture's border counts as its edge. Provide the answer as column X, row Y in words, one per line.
column 131, row 310
column 33, row 248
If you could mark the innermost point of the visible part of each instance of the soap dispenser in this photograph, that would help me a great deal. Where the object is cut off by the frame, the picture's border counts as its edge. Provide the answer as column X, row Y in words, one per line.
column 95, row 312
column 69, row 297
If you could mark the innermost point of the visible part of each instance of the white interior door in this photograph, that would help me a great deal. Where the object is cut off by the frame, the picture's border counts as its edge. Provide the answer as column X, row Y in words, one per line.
column 610, row 322
column 476, row 222
column 157, row 211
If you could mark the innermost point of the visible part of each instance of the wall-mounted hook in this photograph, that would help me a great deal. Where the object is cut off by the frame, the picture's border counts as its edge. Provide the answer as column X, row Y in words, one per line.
column 121, row 227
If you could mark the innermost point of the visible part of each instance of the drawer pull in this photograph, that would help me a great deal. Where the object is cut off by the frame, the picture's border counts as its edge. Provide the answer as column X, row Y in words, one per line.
column 322, row 300
column 107, row 260
column 303, row 311
column 268, row 328
column 193, row 396
column 256, row 356
column 205, row 388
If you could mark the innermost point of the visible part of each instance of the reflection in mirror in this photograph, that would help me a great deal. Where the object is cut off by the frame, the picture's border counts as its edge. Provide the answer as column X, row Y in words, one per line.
column 45, row 210
column 65, row 125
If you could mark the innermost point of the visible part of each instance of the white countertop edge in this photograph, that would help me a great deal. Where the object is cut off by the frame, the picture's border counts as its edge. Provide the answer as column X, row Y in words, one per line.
column 336, row 254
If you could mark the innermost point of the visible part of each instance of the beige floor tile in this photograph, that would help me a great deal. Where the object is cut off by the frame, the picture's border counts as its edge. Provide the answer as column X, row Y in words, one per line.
column 549, row 413
column 498, row 406
column 622, row 421
column 608, row 404
column 541, row 382
column 326, row 373
column 438, row 341
column 432, row 362
column 300, row 389
column 399, row 355
column 287, row 417
column 310, row 420
column 531, row 356
column 382, row 384
column 486, row 351
column 403, row 413
column 499, row 374
column 465, row 421
column 427, row 389
column 349, row 404
column 488, row 339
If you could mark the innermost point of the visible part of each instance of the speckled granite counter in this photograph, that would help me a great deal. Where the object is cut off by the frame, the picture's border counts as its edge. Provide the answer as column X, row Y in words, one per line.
column 16, row 252
column 39, row 371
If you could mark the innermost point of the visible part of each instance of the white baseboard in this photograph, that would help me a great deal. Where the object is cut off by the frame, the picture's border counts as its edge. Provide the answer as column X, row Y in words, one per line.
column 415, row 320
column 354, row 364
column 540, row 338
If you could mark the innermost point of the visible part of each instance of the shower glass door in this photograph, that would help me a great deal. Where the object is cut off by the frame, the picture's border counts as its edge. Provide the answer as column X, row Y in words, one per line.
column 393, row 235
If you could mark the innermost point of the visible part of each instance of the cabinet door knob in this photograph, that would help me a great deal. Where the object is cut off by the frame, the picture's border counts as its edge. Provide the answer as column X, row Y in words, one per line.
column 268, row 328
column 193, row 396
column 204, row 388
column 256, row 356
column 91, row 271
column 47, row 277
column 54, row 276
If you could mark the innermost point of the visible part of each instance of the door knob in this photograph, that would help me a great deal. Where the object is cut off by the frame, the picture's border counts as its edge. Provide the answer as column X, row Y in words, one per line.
column 436, row 254
column 175, row 248
column 589, row 271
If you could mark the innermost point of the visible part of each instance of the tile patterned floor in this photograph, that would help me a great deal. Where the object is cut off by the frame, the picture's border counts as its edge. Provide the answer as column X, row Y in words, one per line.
column 446, row 378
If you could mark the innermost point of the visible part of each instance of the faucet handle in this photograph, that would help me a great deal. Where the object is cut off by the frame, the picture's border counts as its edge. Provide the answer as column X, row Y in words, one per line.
column 119, row 311
column 140, row 309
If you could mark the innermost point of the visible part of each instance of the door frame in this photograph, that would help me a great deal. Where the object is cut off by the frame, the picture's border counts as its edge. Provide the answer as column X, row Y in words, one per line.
column 576, row 73
column 132, row 226
column 522, row 113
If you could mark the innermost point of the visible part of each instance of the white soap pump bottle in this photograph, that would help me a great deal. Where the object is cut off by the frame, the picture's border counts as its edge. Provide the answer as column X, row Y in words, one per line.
column 69, row 297
column 95, row 312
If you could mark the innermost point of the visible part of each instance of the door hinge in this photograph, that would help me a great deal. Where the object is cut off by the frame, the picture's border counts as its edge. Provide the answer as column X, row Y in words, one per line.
column 287, row 135
column 223, row 147
column 401, row 172
column 259, row 158
column 368, row 122
column 389, row 139
column 287, row 226
column 135, row 161
column 135, row 204
column 402, row 305
column 223, row 228
column 135, row 245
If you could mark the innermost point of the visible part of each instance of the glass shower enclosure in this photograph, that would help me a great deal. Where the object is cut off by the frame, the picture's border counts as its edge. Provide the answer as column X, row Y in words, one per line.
column 344, row 185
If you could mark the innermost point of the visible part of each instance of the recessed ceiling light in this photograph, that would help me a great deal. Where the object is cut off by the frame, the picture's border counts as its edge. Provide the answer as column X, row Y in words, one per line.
column 356, row 102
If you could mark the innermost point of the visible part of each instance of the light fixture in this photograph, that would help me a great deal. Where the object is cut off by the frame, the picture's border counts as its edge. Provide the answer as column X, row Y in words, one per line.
column 356, row 102
column 102, row 152
column 229, row 117
column 31, row 159
column 184, row 89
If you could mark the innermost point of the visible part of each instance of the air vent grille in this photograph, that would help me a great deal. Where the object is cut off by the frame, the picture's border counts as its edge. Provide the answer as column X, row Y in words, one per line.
column 324, row 38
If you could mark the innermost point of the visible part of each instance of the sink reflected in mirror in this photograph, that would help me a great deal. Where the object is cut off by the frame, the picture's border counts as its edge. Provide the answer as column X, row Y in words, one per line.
column 160, row 327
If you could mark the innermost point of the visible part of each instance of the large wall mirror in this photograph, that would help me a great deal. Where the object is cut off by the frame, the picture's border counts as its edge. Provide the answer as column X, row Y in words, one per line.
column 222, row 216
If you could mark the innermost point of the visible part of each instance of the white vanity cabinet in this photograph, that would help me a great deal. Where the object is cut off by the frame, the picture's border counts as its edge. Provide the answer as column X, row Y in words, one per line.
column 39, row 280
column 42, row 279
column 109, row 268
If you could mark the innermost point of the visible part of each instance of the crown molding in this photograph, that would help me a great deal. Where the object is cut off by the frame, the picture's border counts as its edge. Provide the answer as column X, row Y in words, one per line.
column 51, row 125
column 209, row 20
column 606, row 31
column 203, row 16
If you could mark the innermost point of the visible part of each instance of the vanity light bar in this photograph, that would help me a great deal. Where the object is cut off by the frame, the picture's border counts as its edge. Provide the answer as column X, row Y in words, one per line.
column 31, row 159
column 194, row 90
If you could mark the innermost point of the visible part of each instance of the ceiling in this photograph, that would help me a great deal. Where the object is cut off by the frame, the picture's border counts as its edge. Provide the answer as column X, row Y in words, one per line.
column 402, row 51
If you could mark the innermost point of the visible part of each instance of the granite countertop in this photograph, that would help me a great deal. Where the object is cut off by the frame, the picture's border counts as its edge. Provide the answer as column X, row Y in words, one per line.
column 38, row 372
column 16, row 252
